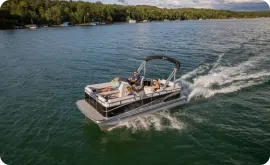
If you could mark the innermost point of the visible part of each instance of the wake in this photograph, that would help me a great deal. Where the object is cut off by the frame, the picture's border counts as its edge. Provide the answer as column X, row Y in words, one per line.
column 158, row 121
column 225, row 75
column 224, row 79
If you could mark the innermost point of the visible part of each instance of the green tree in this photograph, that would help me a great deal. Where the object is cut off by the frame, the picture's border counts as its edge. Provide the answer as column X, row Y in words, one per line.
column 56, row 11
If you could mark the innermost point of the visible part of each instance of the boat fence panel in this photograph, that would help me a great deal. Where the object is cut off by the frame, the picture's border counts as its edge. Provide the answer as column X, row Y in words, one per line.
column 112, row 109
column 149, row 107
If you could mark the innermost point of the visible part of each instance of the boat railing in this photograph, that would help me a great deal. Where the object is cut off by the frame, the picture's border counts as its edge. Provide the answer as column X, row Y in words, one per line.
column 137, row 98
column 146, row 107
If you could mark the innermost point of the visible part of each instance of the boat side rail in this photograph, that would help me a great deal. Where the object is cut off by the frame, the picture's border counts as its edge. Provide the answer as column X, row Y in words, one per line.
column 137, row 98
column 150, row 95
column 96, row 98
column 143, row 109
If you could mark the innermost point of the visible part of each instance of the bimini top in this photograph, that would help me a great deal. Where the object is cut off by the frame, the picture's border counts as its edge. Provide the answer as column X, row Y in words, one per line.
column 172, row 60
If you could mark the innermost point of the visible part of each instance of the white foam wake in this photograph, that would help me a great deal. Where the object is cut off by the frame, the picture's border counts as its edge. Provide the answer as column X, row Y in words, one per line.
column 206, row 81
column 158, row 121
column 222, row 79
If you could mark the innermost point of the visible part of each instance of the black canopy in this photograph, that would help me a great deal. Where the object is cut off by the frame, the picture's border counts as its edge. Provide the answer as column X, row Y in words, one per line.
column 172, row 60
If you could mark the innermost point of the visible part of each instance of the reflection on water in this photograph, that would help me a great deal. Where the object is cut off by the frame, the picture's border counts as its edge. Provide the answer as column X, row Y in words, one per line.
column 224, row 63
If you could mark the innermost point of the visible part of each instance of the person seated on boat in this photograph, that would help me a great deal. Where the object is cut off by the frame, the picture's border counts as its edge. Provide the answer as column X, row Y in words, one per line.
column 135, row 80
column 130, row 92
column 116, row 85
column 154, row 87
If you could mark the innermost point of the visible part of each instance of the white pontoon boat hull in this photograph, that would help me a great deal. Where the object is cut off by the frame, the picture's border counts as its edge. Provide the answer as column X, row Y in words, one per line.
column 111, row 122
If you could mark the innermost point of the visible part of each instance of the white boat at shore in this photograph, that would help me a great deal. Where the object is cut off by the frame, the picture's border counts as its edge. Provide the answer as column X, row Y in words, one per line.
column 33, row 26
column 131, row 21
column 109, row 109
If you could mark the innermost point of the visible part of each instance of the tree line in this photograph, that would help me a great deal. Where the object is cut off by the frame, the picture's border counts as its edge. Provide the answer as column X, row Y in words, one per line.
column 56, row 12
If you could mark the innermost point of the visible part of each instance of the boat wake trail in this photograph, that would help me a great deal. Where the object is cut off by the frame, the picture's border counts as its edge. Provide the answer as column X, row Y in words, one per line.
column 158, row 121
column 241, row 67
column 227, row 79
column 206, row 81
column 245, row 65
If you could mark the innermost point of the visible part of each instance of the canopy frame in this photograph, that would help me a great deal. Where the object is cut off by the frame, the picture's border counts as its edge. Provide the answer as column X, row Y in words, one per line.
column 172, row 60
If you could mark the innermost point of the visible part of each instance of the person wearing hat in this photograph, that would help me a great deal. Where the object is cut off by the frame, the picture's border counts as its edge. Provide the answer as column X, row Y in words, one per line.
column 135, row 80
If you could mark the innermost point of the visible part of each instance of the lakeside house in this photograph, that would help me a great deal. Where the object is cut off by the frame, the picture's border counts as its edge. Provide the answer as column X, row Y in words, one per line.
column 132, row 21
column 144, row 21
column 33, row 26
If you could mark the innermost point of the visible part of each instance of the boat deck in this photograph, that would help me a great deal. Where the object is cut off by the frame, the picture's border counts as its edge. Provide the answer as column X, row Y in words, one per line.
column 89, row 111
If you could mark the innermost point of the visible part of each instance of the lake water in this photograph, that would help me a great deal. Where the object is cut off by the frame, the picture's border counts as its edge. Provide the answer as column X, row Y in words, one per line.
column 225, row 64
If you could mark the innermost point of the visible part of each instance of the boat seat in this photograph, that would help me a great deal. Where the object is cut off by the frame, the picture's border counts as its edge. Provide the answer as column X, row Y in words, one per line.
column 162, row 83
column 109, row 92
column 102, row 98
column 100, row 86
column 120, row 99
column 148, row 91
column 122, row 89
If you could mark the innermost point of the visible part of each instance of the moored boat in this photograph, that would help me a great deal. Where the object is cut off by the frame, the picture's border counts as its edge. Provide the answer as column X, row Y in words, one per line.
column 33, row 26
column 109, row 109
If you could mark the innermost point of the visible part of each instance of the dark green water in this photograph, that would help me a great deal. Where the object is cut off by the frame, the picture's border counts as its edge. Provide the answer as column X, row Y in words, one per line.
column 225, row 66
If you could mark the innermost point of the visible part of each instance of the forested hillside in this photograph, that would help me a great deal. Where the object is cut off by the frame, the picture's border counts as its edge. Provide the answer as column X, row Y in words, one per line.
column 55, row 12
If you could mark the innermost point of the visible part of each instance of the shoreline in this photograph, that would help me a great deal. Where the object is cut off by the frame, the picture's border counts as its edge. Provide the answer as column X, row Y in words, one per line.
column 80, row 12
column 120, row 23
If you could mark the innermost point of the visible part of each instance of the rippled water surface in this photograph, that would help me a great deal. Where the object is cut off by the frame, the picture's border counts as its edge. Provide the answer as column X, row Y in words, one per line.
column 225, row 65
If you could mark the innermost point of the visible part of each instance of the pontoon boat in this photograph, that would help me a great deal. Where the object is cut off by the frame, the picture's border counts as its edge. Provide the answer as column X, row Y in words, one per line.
column 109, row 109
